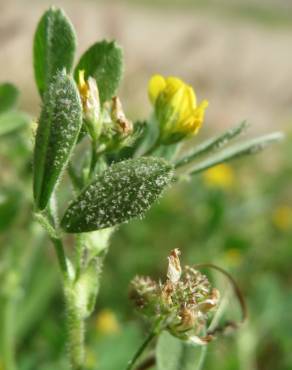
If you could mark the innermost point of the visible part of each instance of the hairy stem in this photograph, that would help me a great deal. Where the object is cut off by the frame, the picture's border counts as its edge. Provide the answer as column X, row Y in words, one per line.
column 75, row 329
column 59, row 248
column 56, row 240
column 74, row 319
column 152, row 148
column 93, row 161
column 78, row 253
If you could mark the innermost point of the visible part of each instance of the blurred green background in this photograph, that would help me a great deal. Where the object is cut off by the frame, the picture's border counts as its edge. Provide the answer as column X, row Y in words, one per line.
column 237, row 54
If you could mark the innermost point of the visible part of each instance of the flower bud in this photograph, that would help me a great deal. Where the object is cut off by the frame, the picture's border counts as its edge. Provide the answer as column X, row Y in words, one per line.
column 123, row 125
column 91, row 104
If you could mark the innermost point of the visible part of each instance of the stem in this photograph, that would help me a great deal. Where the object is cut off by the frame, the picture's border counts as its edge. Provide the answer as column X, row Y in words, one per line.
column 152, row 148
column 94, row 158
column 202, row 358
column 141, row 349
column 75, row 329
column 75, row 321
column 56, row 240
column 78, row 253
column 59, row 248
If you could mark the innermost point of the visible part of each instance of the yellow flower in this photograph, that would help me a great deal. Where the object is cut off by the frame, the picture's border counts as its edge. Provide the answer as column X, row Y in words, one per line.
column 176, row 108
column 221, row 176
column 91, row 104
column 282, row 217
column 107, row 323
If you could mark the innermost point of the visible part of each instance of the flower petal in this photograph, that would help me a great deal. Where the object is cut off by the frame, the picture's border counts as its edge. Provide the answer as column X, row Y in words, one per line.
column 173, row 84
column 156, row 85
column 194, row 122
column 191, row 97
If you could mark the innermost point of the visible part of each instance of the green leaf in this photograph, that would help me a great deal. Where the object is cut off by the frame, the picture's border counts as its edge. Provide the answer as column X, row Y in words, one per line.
column 8, row 97
column 175, row 354
column 252, row 146
column 104, row 62
column 12, row 120
column 57, row 133
column 125, row 190
column 54, row 47
column 213, row 144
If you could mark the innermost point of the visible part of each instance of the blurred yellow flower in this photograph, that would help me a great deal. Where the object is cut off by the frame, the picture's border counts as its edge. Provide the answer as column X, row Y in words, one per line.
column 282, row 217
column 221, row 176
column 233, row 257
column 107, row 323
column 176, row 108
column 90, row 359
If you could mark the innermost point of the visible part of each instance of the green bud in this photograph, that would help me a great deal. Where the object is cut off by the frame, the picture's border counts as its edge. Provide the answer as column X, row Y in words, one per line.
column 91, row 105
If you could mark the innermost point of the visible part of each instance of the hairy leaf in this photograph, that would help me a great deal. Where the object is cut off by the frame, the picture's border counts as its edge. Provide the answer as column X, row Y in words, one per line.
column 213, row 144
column 249, row 147
column 175, row 354
column 104, row 62
column 54, row 47
column 57, row 133
column 8, row 97
column 125, row 190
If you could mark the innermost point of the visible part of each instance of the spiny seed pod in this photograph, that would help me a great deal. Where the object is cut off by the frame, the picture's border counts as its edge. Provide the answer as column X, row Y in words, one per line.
column 181, row 304
column 125, row 190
